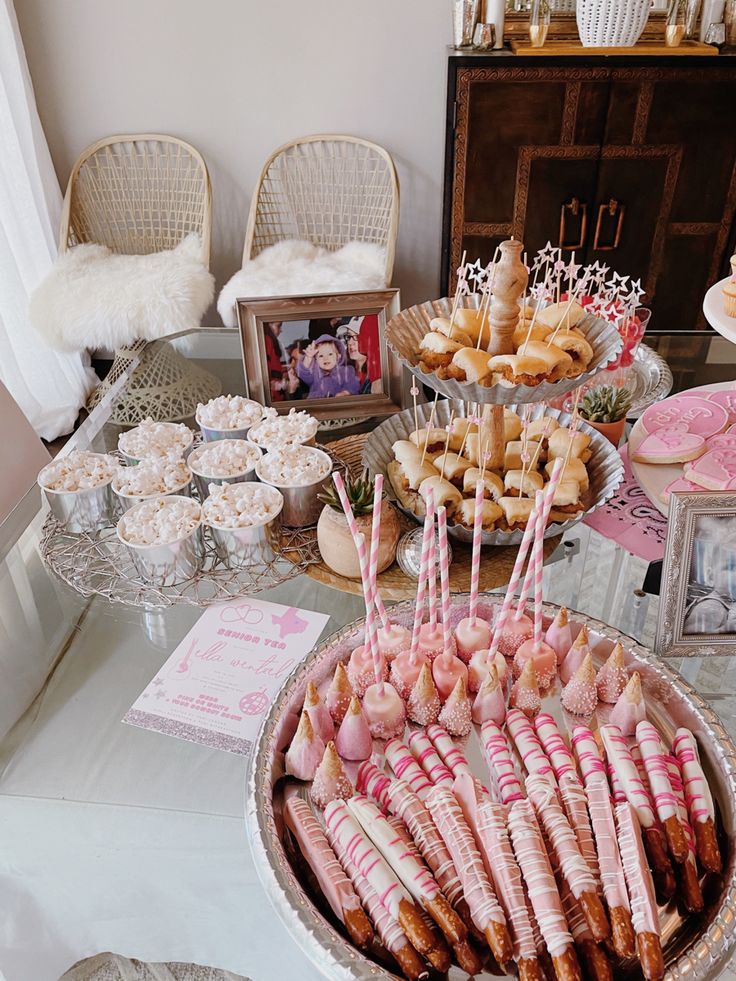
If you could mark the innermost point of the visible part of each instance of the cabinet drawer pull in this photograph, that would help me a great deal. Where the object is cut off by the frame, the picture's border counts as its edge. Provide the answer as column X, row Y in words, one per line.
column 576, row 208
column 609, row 209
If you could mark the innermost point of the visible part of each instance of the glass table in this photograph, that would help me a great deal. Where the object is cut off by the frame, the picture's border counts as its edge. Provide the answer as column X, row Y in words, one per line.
column 117, row 838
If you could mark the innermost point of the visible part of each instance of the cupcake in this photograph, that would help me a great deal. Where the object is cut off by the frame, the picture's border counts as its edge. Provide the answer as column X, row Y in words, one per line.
column 729, row 296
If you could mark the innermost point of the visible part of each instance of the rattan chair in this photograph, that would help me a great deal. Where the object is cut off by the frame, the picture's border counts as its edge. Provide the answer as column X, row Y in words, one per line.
column 139, row 194
column 327, row 190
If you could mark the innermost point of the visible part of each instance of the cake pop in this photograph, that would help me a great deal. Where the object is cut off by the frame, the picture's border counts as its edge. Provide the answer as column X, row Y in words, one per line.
column 456, row 713
column 629, row 710
column 478, row 669
column 559, row 635
column 613, row 676
column 471, row 637
column 392, row 639
column 353, row 741
column 579, row 695
column 575, row 656
column 514, row 633
column 525, row 691
column 544, row 657
column 339, row 694
column 423, row 706
column 384, row 711
column 431, row 641
column 405, row 669
column 362, row 671
column 330, row 780
column 318, row 714
column 446, row 670
column 305, row 752
column 489, row 703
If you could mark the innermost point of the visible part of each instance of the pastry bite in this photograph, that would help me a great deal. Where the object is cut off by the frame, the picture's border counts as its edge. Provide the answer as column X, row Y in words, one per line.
column 492, row 483
column 574, row 469
column 452, row 467
column 557, row 362
column 469, row 365
column 436, row 351
column 473, row 324
column 406, row 452
column 443, row 325
column 574, row 344
column 512, row 455
column 434, row 440
column 476, row 447
column 445, row 494
column 460, row 428
column 565, row 313
column 516, row 511
column 518, row 369
column 522, row 333
column 566, row 501
column 559, row 444
column 491, row 513
column 512, row 425
column 522, row 483
column 541, row 428
column 406, row 480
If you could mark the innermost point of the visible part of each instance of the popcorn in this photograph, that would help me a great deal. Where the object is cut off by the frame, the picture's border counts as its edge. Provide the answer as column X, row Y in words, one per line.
column 159, row 521
column 224, row 458
column 229, row 412
column 158, row 476
column 278, row 431
column 79, row 470
column 294, row 467
column 241, row 505
column 152, row 439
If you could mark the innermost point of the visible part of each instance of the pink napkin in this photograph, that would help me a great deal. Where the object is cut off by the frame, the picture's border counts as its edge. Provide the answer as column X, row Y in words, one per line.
column 631, row 520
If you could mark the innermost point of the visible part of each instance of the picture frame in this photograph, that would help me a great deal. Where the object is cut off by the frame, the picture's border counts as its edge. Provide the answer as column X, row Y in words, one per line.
column 697, row 615
column 347, row 372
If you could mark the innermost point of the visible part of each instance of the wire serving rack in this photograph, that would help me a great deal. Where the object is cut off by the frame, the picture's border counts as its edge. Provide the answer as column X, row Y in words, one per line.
column 98, row 564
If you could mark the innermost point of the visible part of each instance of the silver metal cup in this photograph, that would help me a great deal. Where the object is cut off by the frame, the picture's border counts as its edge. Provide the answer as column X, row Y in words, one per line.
column 203, row 480
column 212, row 435
column 169, row 564
column 81, row 511
column 132, row 461
column 255, row 545
column 301, row 504
column 464, row 18
column 128, row 501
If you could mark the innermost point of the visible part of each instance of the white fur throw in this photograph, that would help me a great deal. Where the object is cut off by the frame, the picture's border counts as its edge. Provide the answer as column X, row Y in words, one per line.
column 95, row 298
column 294, row 267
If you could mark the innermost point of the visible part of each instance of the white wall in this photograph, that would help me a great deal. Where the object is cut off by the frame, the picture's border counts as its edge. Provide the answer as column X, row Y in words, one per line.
column 238, row 77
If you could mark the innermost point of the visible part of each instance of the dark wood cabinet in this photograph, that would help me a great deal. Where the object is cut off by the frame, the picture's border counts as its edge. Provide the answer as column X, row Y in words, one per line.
column 629, row 162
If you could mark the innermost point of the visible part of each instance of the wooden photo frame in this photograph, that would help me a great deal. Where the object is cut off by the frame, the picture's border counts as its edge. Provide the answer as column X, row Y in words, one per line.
column 329, row 356
column 698, row 596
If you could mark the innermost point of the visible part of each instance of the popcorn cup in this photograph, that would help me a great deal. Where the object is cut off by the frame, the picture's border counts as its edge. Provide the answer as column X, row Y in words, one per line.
column 131, row 461
column 128, row 501
column 211, row 433
column 170, row 563
column 203, row 480
column 255, row 545
column 85, row 510
column 302, row 506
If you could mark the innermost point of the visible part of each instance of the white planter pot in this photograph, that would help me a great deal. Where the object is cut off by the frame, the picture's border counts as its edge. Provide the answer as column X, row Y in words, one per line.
column 611, row 23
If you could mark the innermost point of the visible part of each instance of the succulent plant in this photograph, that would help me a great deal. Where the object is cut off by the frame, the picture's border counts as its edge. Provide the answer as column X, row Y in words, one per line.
column 606, row 403
column 360, row 495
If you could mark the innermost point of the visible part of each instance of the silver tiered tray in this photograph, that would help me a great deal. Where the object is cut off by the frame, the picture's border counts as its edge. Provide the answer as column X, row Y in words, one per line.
column 605, row 467
column 695, row 948
column 405, row 331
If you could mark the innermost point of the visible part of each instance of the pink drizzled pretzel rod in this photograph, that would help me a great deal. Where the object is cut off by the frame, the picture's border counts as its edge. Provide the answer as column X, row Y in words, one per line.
column 475, row 559
column 589, row 756
column 555, row 747
column 451, row 754
column 432, row 564
column 537, row 549
column 335, row 885
column 698, row 800
column 424, row 752
column 401, row 761
column 374, row 783
column 485, row 910
column 371, row 628
column 689, row 883
column 427, row 536
column 355, row 532
column 665, row 802
column 567, row 853
column 528, row 746
column 593, row 959
column 444, row 577
column 500, row 763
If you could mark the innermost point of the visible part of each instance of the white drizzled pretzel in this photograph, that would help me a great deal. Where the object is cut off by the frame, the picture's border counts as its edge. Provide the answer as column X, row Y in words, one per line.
column 690, row 891
column 528, row 746
column 406, row 767
column 451, row 754
column 665, row 802
column 698, row 799
column 424, row 752
column 500, row 763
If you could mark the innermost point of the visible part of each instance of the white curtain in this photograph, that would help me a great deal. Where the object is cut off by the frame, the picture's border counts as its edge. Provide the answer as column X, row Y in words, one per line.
column 49, row 387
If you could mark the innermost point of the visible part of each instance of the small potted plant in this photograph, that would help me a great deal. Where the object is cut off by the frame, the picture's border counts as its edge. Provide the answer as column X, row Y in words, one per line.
column 334, row 538
column 605, row 408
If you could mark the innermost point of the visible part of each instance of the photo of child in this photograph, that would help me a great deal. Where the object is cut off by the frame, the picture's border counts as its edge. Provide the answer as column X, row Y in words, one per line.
column 710, row 606
column 324, row 368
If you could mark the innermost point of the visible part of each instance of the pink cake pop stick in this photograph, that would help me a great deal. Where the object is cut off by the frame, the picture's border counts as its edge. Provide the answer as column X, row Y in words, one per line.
column 375, row 542
column 423, row 751
column 354, row 531
column 371, row 628
column 451, row 754
column 427, row 536
column 665, row 801
column 538, row 562
column 406, row 767
column 475, row 560
column 432, row 566
column 538, row 549
column 500, row 763
column 444, row 576
column 528, row 746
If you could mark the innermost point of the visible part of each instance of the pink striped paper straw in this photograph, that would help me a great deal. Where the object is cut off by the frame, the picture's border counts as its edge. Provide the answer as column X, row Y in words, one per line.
column 549, row 493
column 513, row 583
column 352, row 525
column 432, row 565
column 427, row 536
column 475, row 561
column 444, row 577
column 375, row 538
column 371, row 630
column 537, row 563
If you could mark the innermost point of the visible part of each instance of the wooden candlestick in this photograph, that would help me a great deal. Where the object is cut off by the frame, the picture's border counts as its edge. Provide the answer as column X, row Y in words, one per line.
column 492, row 437
column 509, row 282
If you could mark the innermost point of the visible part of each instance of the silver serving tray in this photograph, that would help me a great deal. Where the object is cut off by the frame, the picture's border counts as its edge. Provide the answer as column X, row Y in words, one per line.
column 605, row 467
column 405, row 331
column 649, row 380
column 696, row 948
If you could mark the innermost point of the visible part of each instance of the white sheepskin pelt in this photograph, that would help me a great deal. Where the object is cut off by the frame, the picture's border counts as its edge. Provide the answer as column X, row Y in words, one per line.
column 94, row 298
column 294, row 267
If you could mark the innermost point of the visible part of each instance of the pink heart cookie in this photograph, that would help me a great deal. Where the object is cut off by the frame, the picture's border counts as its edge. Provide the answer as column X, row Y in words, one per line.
column 671, row 444
column 726, row 397
column 678, row 484
column 702, row 417
column 722, row 441
column 715, row 470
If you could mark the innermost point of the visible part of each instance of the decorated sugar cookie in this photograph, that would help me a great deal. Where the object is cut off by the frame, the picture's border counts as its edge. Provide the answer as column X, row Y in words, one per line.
column 701, row 416
column 715, row 470
column 671, row 444
column 726, row 397
column 678, row 484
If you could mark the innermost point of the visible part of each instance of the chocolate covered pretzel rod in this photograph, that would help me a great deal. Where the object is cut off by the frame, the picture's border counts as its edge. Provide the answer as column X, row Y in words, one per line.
column 424, row 752
column 544, row 896
column 698, row 800
column 687, row 873
column 450, row 753
column 637, row 794
column 392, row 936
column 485, row 910
column 641, row 892
column 564, row 844
column 500, row 763
column 528, row 746
column 665, row 802
column 335, row 885
column 381, row 877
column 406, row 767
